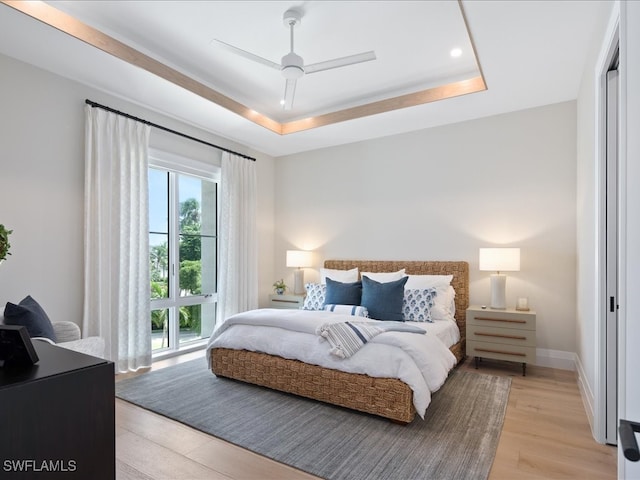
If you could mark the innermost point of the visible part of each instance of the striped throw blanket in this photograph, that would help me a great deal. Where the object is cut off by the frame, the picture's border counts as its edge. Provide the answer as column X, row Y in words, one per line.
column 346, row 338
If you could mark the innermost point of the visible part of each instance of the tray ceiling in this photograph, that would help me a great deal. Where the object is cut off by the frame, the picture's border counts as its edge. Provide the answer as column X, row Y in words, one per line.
column 182, row 72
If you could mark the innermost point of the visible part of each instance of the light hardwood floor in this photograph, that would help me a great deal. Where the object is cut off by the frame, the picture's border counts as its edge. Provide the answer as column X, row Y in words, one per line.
column 546, row 435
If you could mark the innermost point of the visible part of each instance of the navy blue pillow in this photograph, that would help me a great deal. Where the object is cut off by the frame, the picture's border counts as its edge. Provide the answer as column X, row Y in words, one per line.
column 383, row 300
column 28, row 313
column 339, row 293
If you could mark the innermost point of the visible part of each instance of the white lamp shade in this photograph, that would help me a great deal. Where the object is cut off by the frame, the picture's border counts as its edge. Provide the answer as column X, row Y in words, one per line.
column 299, row 258
column 500, row 259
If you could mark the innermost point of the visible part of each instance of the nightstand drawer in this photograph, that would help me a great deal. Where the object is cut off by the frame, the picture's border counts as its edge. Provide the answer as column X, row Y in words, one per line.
column 502, row 319
column 286, row 301
column 508, row 336
column 499, row 351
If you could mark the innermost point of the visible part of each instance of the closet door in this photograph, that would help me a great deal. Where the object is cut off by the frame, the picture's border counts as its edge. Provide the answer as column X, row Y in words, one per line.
column 612, row 259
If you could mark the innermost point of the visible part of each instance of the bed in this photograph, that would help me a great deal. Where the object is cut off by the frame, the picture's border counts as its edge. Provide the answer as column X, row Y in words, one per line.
column 390, row 397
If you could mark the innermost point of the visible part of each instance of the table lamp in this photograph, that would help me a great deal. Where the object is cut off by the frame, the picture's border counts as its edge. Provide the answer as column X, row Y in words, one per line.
column 499, row 260
column 299, row 259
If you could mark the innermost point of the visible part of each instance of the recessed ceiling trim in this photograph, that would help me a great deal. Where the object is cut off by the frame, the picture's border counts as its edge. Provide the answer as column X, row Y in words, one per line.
column 450, row 90
column 71, row 26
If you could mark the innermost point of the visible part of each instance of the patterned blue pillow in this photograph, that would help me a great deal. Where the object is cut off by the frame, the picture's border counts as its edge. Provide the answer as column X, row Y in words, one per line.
column 417, row 304
column 315, row 296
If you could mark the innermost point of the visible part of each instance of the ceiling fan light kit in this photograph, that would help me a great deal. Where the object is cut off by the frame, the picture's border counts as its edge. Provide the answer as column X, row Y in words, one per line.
column 292, row 65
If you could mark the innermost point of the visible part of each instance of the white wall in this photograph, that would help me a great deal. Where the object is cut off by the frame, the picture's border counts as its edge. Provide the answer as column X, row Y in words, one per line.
column 42, row 184
column 440, row 194
column 590, row 230
column 587, row 220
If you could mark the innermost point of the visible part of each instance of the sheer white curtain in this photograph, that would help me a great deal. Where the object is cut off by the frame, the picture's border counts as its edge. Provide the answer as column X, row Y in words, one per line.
column 238, row 289
column 116, row 257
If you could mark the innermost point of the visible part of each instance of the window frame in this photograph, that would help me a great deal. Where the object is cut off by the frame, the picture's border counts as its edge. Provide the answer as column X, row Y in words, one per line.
column 177, row 165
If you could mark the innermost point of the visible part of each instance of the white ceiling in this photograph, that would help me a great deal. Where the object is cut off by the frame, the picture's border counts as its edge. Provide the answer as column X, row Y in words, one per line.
column 531, row 53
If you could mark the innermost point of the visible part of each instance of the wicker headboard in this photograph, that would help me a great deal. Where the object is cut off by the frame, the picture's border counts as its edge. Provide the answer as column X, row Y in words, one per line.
column 459, row 270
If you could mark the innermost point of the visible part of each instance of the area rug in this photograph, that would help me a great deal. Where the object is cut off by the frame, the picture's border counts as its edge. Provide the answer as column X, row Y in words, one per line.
column 456, row 440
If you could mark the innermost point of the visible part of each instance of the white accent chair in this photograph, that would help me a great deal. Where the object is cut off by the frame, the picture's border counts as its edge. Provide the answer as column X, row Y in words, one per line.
column 68, row 336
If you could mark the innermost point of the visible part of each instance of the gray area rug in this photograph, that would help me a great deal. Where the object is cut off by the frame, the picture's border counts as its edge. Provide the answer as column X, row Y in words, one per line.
column 457, row 439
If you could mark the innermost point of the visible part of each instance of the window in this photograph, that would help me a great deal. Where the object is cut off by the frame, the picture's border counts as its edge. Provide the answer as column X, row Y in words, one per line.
column 183, row 252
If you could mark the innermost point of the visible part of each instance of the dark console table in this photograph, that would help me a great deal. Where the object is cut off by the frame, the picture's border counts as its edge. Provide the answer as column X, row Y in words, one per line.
column 57, row 418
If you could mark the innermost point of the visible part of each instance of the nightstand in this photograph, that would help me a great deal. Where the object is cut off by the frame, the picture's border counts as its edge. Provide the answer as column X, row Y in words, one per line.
column 502, row 335
column 286, row 301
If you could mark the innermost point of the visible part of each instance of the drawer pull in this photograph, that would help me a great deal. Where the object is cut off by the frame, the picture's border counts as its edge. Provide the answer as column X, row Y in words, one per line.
column 507, row 320
column 500, row 335
column 518, row 354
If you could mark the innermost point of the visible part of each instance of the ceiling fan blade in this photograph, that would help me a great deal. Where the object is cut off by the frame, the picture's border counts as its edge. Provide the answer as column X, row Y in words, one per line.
column 247, row 55
column 340, row 62
column 289, row 92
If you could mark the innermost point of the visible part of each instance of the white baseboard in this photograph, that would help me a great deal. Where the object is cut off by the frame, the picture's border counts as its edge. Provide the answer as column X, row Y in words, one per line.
column 556, row 359
column 586, row 393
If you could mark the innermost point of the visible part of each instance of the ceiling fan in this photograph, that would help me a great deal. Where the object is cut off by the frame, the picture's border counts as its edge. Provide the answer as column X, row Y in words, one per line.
column 292, row 65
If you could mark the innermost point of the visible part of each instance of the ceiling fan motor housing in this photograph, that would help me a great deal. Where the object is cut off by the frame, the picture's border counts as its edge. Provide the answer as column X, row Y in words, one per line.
column 292, row 66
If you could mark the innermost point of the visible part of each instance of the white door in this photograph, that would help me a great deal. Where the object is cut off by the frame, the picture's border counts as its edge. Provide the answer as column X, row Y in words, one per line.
column 612, row 240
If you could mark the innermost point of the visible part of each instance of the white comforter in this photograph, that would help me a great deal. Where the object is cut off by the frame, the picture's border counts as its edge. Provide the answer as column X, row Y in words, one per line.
column 421, row 361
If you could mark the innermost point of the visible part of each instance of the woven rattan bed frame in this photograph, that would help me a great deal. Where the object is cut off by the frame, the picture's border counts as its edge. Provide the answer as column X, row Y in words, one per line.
column 386, row 397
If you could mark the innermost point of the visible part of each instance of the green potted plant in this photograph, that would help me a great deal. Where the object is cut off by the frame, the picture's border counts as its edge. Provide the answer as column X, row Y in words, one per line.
column 4, row 242
column 279, row 286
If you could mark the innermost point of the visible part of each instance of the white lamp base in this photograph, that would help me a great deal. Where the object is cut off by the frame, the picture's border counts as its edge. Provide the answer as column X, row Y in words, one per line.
column 298, row 281
column 498, row 289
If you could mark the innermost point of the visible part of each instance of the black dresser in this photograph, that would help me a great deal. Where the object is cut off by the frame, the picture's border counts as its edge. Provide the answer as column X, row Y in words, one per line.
column 57, row 418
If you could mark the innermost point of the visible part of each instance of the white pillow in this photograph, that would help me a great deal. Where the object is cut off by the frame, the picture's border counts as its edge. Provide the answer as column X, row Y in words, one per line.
column 344, row 276
column 428, row 281
column 384, row 277
column 444, row 307
column 353, row 310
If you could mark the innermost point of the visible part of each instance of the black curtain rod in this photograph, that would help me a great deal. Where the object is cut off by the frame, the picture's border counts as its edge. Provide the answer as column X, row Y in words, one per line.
column 155, row 125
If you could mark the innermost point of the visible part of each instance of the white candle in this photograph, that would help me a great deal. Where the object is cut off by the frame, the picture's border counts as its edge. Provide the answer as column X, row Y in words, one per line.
column 522, row 303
